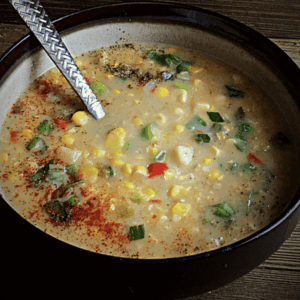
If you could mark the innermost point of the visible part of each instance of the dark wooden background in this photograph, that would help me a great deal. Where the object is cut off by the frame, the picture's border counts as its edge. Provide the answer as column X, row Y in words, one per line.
column 278, row 278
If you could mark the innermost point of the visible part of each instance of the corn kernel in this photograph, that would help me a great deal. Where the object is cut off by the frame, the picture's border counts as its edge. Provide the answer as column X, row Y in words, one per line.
column 68, row 139
column 212, row 108
column 202, row 106
column 27, row 132
column 3, row 157
column 227, row 128
column 168, row 174
column 116, row 138
column 130, row 95
column 221, row 135
column 115, row 91
column 117, row 162
column 98, row 152
column 53, row 77
column 206, row 161
column 146, row 114
column 128, row 185
column 181, row 209
column 137, row 121
column 177, row 191
column 85, row 154
column 215, row 150
column 148, row 193
column 118, row 154
column 126, row 169
column 139, row 61
column 161, row 92
column 78, row 63
column 89, row 174
column 197, row 82
column 215, row 174
column 80, row 118
column 137, row 101
column 139, row 170
column 195, row 70
column 182, row 97
column 109, row 76
column 12, row 177
column 178, row 111
column 172, row 50
column 166, row 135
column 154, row 150
column 179, row 128
column 161, row 118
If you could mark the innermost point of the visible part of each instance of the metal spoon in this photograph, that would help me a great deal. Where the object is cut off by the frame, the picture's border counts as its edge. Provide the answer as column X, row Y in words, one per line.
column 36, row 18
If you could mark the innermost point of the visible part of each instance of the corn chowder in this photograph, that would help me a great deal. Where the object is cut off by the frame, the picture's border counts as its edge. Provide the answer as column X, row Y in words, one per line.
column 189, row 157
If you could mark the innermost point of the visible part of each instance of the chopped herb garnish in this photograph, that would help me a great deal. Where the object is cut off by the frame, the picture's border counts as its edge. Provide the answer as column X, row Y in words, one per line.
column 45, row 127
column 224, row 210
column 242, row 167
column 33, row 143
column 159, row 156
column 203, row 138
column 42, row 173
column 55, row 210
column 136, row 199
column 182, row 68
column 105, row 172
column 73, row 201
column 147, row 131
column 215, row 117
column 44, row 149
column 234, row 93
column 195, row 123
column 136, row 232
column 123, row 79
column 71, row 170
column 183, row 86
column 126, row 146
column 208, row 221
column 167, row 59
column 99, row 88
column 239, row 147
column 221, row 166
column 243, row 130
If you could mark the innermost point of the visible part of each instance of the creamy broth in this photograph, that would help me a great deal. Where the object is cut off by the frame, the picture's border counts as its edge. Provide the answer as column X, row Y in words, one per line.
column 183, row 163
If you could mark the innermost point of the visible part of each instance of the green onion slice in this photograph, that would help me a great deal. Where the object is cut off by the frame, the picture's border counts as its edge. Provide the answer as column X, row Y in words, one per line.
column 203, row 138
column 195, row 123
column 234, row 93
column 159, row 156
column 183, row 86
column 99, row 88
column 146, row 133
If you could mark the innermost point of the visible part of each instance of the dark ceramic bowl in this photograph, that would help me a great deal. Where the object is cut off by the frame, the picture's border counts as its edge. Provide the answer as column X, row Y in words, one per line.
column 35, row 264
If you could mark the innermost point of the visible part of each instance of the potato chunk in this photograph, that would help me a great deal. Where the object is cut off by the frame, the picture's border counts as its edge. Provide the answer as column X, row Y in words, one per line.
column 184, row 155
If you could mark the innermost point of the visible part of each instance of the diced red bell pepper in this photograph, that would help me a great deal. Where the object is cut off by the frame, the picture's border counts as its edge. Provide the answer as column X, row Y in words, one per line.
column 254, row 159
column 156, row 169
column 13, row 137
column 61, row 123
column 155, row 201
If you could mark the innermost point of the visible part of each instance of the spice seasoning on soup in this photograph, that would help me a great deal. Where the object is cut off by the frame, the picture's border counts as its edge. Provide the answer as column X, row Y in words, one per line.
column 186, row 160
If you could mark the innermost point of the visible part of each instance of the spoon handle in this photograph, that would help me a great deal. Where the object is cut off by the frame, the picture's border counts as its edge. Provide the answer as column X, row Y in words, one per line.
column 36, row 18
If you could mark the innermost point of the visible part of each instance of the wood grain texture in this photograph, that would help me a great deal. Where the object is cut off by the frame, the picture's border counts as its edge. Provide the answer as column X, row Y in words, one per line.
column 273, row 18
column 278, row 278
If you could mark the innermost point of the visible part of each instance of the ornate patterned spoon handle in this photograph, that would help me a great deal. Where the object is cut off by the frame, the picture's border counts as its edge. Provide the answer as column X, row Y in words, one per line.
column 36, row 18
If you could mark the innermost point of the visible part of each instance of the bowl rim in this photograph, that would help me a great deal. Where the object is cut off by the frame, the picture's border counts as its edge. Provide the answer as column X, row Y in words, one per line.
column 28, row 43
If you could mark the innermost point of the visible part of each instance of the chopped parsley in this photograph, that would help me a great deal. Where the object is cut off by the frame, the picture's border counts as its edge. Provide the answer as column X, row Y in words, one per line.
column 208, row 221
column 39, row 177
column 99, row 88
column 146, row 133
column 203, row 138
column 71, row 170
column 239, row 147
column 242, row 167
column 215, row 117
column 234, row 93
column 168, row 60
column 243, row 130
column 195, row 123
column 224, row 210
column 136, row 232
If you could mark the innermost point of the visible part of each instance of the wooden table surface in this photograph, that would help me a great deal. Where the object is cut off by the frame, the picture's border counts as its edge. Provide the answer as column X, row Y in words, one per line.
column 278, row 278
